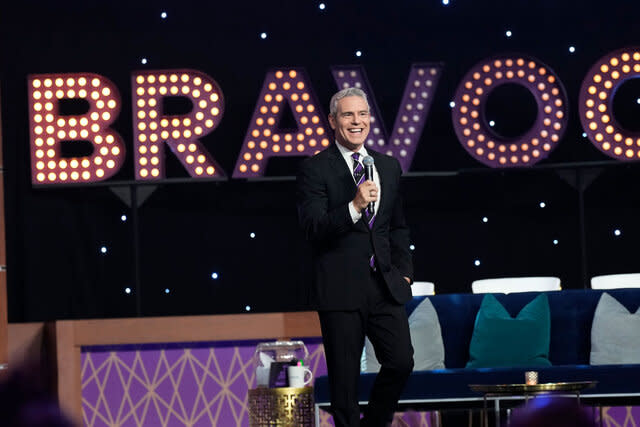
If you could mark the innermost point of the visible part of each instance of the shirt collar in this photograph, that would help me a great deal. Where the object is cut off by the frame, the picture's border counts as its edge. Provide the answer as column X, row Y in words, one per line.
column 347, row 153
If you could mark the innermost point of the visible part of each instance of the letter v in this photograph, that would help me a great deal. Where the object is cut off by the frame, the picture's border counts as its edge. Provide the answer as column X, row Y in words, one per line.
column 412, row 113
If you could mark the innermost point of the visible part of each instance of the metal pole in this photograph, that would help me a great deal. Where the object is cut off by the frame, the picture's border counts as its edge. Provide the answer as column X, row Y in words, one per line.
column 136, row 249
column 582, row 228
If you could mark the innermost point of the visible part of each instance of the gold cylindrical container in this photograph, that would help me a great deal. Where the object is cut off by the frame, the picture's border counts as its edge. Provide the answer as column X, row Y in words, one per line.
column 281, row 407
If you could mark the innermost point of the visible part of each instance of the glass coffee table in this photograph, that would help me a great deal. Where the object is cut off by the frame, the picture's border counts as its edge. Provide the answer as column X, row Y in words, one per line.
column 497, row 392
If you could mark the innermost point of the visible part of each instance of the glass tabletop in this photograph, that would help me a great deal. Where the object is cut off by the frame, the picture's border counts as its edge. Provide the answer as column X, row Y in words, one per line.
column 533, row 388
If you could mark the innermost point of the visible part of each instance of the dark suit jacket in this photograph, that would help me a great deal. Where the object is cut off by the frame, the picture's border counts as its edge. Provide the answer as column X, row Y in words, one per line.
column 341, row 249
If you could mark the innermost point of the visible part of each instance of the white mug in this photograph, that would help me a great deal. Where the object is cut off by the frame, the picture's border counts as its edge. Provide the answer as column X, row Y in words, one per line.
column 296, row 376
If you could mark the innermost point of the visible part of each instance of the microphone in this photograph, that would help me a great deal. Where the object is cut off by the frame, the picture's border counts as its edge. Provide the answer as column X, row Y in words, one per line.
column 368, row 174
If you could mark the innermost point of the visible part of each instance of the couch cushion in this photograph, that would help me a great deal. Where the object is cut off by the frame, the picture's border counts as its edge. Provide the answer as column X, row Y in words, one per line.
column 426, row 339
column 572, row 312
column 500, row 340
column 615, row 333
column 571, row 317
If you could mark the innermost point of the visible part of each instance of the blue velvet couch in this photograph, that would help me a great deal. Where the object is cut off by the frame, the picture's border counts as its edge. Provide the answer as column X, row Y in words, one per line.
column 571, row 317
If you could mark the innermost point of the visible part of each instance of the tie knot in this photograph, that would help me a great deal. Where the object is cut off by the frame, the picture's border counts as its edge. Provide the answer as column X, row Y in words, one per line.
column 356, row 156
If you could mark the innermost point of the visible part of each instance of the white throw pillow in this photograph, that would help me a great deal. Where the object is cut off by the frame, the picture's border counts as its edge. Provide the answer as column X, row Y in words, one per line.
column 426, row 339
column 615, row 333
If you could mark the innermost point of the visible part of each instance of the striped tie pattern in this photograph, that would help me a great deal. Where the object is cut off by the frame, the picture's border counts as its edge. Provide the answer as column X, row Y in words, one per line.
column 358, row 175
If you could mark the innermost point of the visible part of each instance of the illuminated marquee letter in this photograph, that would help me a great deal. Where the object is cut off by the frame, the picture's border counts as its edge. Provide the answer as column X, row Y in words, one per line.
column 264, row 137
column 469, row 117
column 152, row 128
column 412, row 113
column 596, row 99
column 49, row 128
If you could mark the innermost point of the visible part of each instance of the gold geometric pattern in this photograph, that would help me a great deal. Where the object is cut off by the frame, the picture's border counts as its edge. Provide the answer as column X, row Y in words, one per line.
column 282, row 406
column 411, row 419
column 617, row 416
column 400, row 419
column 171, row 391
column 173, row 387
column 208, row 386
column 620, row 416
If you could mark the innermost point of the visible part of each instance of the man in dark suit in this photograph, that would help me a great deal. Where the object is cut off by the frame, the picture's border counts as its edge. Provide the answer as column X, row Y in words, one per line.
column 361, row 262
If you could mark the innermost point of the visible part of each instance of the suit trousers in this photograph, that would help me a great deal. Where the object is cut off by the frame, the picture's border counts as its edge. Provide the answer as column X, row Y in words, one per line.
column 343, row 332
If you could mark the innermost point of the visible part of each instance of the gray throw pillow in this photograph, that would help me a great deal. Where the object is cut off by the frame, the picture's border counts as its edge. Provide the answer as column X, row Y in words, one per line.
column 615, row 333
column 426, row 339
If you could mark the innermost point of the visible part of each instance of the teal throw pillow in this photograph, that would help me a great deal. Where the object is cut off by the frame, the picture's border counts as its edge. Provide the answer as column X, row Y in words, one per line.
column 500, row 340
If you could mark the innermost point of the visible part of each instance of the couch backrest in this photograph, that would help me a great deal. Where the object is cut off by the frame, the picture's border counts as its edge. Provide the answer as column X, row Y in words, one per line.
column 571, row 318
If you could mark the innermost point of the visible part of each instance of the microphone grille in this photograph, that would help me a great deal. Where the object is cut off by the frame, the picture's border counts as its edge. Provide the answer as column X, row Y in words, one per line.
column 367, row 161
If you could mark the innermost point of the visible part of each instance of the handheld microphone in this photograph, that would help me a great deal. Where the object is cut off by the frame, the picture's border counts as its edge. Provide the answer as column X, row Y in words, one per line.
column 368, row 174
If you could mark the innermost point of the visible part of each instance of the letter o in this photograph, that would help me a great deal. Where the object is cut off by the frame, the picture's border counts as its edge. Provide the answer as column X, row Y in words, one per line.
column 480, row 140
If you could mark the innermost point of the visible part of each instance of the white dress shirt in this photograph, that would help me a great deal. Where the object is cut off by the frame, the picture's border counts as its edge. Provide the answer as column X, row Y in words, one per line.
column 346, row 154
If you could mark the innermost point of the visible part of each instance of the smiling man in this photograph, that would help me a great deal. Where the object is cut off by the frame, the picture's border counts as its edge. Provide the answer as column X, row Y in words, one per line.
column 361, row 262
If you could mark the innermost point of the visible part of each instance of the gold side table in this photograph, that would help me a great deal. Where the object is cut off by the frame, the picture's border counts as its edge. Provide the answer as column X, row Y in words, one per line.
column 496, row 392
column 281, row 407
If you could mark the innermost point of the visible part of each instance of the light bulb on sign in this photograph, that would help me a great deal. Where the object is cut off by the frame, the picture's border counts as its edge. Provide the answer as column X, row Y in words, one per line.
column 214, row 276
column 477, row 263
column 103, row 249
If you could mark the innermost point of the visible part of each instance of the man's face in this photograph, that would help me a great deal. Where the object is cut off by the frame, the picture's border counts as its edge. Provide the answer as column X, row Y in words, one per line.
column 351, row 122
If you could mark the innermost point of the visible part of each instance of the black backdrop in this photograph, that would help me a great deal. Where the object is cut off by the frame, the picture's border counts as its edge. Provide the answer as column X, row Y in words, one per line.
column 183, row 232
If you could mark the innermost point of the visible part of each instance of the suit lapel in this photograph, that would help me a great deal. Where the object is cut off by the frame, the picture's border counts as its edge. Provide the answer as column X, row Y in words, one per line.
column 340, row 168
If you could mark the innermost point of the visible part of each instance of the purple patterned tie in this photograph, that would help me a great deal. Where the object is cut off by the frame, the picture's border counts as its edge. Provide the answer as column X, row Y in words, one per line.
column 358, row 175
column 358, row 169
